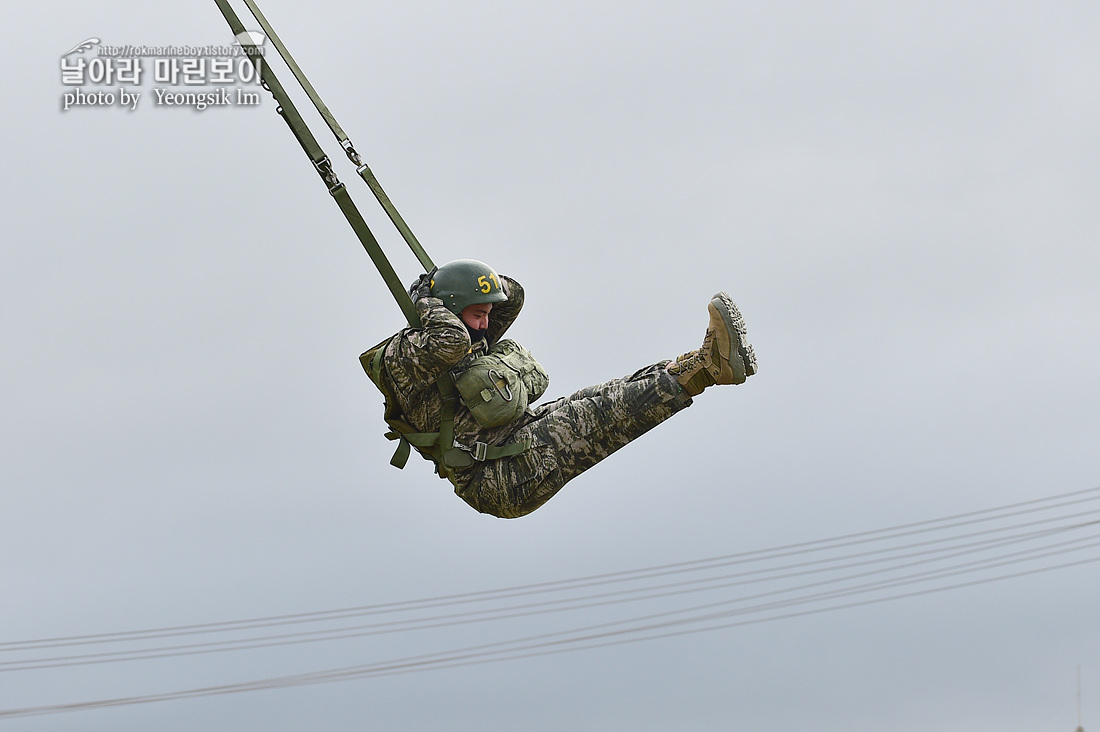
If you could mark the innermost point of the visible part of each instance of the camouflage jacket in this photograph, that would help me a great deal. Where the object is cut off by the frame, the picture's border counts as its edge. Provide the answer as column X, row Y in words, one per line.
column 416, row 357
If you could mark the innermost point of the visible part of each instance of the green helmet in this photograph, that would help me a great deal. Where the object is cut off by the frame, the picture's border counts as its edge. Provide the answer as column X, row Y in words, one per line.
column 466, row 282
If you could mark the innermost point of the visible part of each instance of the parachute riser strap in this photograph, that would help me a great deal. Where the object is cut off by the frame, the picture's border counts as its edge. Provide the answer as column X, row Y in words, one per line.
column 362, row 168
column 323, row 165
column 286, row 108
column 374, row 251
column 367, row 175
column 314, row 97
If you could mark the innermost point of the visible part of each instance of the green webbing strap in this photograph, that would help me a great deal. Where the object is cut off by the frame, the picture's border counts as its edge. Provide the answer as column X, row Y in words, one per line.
column 351, row 213
column 323, row 165
column 361, row 167
column 512, row 448
column 407, row 440
column 446, row 386
column 479, row 452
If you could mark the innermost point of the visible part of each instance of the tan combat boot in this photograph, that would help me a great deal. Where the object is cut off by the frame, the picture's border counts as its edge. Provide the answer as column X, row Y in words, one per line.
column 725, row 356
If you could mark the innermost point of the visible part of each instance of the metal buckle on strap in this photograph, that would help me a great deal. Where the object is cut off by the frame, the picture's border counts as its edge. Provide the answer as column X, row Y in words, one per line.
column 350, row 151
column 479, row 451
column 328, row 175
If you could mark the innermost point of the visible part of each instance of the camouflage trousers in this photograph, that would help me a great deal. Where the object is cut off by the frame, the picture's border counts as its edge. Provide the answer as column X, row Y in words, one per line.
column 569, row 436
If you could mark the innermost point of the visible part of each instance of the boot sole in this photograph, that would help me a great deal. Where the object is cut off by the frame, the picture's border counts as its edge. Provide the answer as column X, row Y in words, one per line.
column 741, row 357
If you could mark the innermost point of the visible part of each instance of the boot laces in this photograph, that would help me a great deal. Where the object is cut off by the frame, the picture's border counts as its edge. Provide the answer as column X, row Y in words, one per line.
column 694, row 359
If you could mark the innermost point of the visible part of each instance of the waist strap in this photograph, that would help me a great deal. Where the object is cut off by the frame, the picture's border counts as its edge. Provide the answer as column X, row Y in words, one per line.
column 459, row 456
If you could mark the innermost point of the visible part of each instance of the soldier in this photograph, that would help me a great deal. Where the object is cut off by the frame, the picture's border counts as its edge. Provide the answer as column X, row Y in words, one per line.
column 509, row 470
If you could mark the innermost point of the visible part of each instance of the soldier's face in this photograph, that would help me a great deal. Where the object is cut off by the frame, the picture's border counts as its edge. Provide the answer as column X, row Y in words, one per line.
column 477, row 316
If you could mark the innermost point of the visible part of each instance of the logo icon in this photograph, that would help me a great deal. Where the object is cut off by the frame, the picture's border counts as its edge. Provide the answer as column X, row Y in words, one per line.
column 82, row 46
column 251, row 38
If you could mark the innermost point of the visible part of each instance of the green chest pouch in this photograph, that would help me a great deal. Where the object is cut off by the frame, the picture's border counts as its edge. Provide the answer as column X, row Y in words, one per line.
column 498, row 386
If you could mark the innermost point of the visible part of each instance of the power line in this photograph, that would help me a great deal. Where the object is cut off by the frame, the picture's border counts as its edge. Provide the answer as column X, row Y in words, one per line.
column 527, row 648
column 819, row 545
column 924, row 554
column 838, row 573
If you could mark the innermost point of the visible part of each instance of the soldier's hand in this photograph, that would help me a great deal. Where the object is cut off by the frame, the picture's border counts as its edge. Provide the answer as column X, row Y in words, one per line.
column 423, row 285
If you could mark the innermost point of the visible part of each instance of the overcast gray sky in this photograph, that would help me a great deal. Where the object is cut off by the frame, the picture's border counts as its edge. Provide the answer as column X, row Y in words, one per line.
column 903, row 198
